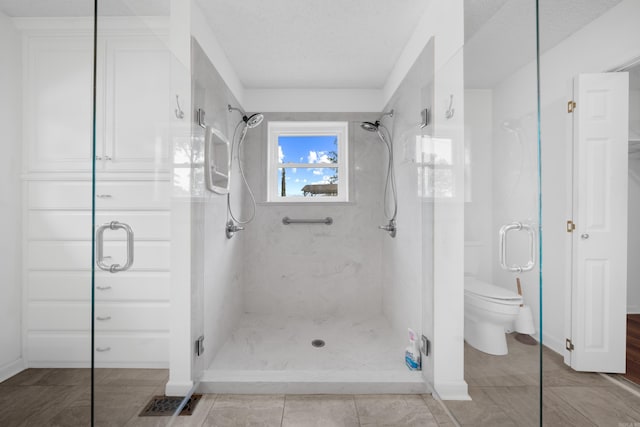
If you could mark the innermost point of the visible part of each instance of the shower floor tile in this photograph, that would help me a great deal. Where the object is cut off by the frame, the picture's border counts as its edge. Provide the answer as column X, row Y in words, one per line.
column 268, row 353
column 266, row 342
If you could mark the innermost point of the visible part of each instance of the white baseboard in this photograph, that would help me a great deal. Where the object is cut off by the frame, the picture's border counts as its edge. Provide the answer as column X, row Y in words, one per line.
column 553, row 343
column 633, row 309
column 452, row 391
column 175, row 388
column 11, row 369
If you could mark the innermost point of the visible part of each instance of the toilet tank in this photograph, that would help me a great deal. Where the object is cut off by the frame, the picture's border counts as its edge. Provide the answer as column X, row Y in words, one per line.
column 472, row 257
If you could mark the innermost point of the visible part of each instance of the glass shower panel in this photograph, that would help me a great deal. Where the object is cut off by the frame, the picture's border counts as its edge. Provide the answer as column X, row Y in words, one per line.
column 135, row 109
column 46, row 62
column 589, row 116
column 483, row 179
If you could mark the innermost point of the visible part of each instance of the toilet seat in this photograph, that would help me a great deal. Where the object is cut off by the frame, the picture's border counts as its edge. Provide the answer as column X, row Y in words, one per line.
column 479, row 290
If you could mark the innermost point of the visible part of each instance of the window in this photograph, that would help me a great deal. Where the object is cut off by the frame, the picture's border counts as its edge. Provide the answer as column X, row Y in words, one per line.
column 308, row 162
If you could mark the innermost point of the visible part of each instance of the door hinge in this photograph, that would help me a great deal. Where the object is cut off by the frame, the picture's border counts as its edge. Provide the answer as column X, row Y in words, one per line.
column 568, row 345
column 571, row 105
column 570, row 226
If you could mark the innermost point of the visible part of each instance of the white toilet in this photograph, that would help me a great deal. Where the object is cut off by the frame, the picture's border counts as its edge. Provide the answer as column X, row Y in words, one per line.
column 489, row 310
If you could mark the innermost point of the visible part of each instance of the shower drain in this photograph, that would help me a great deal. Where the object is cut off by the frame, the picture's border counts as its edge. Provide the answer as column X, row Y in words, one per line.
column 317, row 343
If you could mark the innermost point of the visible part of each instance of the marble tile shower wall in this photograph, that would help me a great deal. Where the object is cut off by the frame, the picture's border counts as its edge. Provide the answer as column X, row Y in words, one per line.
column 408, row 257
column 317, row 270
column 216, row 262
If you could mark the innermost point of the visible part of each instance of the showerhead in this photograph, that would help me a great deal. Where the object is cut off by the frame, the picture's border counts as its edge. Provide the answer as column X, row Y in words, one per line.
column 370, row 127
column 373, row 126
column 253, row 120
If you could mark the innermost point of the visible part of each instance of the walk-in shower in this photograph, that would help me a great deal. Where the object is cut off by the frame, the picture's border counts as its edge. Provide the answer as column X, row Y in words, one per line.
column 235, row 223
column 390, row 181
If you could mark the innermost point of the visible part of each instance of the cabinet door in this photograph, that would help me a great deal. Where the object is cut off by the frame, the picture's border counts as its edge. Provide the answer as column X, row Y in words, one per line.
column 58, row 103
column 137, row 85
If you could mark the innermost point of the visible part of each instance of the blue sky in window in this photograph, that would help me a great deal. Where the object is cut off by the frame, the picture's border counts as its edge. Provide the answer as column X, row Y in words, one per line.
column 316, row 149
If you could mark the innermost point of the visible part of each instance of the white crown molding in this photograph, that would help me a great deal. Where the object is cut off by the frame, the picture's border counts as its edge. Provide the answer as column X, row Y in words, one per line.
column 313, row 100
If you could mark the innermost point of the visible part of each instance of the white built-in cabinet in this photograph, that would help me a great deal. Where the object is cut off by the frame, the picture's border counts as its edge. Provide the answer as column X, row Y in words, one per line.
column 132, row 95
column 133, row 113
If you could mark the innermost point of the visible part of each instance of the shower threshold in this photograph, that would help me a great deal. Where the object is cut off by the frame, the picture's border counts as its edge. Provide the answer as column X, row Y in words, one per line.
column 312, row 382
column 282, row 354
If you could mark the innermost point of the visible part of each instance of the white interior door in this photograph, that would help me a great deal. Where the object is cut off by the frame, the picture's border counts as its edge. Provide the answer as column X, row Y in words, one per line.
column 599, row 279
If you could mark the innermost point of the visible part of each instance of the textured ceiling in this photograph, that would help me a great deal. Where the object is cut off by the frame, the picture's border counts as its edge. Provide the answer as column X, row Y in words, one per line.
column 505, row 41
column 477, row 13
column 313, row 44
column 351, row 43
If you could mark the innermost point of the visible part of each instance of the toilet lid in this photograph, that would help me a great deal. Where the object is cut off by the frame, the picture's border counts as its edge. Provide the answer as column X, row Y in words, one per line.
column 487, row 290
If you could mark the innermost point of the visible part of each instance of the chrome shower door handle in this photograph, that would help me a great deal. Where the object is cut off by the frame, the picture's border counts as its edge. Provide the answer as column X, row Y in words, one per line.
column 100, row 257
column 517, row 226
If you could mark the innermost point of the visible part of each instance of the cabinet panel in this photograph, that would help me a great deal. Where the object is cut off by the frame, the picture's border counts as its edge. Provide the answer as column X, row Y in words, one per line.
column 67, row 349
column 58, row 102
column 132, row 317
column 60, row 256
column 56, row 317
column 76, row 286
column 109, row 317
column 44, row 349
column 138, row 104
column 131, row 195
column 76, row 225
column 111, row 195
column 136, row 349
column 59, row 195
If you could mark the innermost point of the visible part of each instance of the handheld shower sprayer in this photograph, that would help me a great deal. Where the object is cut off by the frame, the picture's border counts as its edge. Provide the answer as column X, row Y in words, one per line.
column 390, row 181
column 235, row 224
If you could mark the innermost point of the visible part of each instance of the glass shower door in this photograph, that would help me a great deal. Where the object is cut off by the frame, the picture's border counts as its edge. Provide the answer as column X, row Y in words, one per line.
column 492, row 180
column 46, row 122
column 132, row 182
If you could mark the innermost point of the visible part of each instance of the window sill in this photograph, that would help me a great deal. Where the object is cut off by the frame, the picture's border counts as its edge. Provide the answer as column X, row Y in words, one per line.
column 294, row 203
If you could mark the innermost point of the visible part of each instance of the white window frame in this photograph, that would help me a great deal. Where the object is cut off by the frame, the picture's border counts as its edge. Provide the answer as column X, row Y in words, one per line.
column 316, row 128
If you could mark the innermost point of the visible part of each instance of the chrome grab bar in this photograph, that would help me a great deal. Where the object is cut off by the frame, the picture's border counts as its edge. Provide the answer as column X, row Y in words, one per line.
column 100, row 257
column 518, row 226
column 328, row 221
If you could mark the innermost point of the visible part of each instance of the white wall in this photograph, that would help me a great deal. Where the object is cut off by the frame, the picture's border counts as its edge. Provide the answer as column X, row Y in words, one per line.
column 478, row 230
column 403, row 255
column 205, row 269
column 633, row 254
column 633, row 268
column 448, row 236
column 10, row 199
column 316, row 270
column 217, row 259
column 442, row 223
column 608, row 42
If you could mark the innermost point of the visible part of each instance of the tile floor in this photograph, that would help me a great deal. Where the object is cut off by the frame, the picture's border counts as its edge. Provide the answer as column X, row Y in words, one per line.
column 504, row 392
column 60, row 397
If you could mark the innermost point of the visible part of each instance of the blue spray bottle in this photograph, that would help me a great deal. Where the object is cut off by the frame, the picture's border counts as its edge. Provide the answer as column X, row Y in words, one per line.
column 412, row 354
